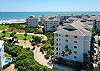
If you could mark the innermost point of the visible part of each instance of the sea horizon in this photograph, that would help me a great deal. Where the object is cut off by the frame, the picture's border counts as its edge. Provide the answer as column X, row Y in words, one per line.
column 4, row 16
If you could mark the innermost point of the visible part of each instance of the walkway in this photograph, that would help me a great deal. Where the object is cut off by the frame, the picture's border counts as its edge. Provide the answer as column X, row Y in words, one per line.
column 39, row 57
column 26, row 44
column 10, row 68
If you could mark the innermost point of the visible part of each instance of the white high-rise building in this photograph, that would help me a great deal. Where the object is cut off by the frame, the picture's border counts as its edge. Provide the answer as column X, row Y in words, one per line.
column 32, row 21
column 51, row 24
column 1, row 54
column 71, row 42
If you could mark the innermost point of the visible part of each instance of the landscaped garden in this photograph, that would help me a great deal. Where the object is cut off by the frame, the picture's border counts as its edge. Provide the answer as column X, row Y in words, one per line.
column 7, row 34
column 24, row 59
column 22, row 36
column 3, row 26
column 48, row 46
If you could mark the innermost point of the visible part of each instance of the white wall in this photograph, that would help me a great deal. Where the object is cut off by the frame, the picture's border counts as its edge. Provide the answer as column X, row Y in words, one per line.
column 81, row 46
column 31, row 22
column 48, row 26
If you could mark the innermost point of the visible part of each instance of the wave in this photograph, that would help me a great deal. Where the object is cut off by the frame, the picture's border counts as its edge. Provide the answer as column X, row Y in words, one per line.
column 13, row 21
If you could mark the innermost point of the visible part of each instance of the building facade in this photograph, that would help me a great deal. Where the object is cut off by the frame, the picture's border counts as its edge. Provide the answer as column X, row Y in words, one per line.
column 71, row 43
column 51, row 24
column 32, row 21
column 1, row 54
column 98, row 25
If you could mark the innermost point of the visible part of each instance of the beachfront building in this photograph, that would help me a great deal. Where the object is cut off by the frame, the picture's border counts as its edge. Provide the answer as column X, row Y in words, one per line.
column 32, row 21
column 98, row 24
column 1, row 54
column 71, row 42
column 42, row 20
column 51, row 24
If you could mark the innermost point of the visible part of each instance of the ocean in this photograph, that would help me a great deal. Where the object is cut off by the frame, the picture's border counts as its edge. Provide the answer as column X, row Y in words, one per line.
column 4, row 16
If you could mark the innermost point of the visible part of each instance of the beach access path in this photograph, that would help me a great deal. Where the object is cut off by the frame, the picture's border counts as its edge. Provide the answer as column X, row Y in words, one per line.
column 39, row 57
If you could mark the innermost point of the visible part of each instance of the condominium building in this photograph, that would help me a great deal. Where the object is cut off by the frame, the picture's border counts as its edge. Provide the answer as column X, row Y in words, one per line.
column 71, row 42
column 98, row 24
column 32, row 21
column 1, row 54
column 51, row 24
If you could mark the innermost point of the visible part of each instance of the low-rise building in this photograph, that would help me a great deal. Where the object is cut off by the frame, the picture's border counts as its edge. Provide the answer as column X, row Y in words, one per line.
column 1, row 54
column 71, row 42
column 51, row 24
column 32, row 21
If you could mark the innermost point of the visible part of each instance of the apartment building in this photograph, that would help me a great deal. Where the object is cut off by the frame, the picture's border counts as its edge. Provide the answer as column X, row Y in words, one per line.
column 71, row 42
column 51, row 24
column 1, row 54
column 32, row 21
column 98, row 24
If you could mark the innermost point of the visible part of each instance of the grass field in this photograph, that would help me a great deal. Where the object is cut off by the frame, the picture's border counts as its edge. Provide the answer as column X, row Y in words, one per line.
column 3, row 27
column 21, row 37
column 7, row 34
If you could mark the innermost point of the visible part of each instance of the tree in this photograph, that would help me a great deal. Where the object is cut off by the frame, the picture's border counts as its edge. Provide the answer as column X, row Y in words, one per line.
column 25, row 36
column 12, row 34
column 24, row 59
column 3, row 32
column 36, row 38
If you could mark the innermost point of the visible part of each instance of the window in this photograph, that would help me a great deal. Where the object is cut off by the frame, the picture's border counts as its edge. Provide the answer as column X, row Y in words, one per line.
column 75, row 52
column 66, row 46
column 75, row 41
column 56, row 34
column 66, row 40
column 66, row 55
column 57, row 49
column 56, row 39
column 66, row 35
column 59, row 34
column 75, row 36
column 75, row 46
column 57, row 44
column 56, row 52
column 59, row 53
column 75, row 57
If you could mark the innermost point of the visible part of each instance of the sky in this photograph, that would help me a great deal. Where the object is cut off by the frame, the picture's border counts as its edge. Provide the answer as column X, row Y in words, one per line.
column 48, row 5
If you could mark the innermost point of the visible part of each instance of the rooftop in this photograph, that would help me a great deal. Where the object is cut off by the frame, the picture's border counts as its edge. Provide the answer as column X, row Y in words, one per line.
column 52, row 19
column 73, row 29
column 32, row 17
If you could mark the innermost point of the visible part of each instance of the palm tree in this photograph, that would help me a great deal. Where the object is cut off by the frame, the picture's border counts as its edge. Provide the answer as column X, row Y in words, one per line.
column 3, row 32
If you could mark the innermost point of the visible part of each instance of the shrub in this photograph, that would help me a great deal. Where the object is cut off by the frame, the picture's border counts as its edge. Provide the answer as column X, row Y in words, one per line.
column 46, row 56
column 24, row 60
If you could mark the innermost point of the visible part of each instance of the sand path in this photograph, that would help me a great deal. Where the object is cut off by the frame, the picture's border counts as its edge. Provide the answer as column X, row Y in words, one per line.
column 39, row 57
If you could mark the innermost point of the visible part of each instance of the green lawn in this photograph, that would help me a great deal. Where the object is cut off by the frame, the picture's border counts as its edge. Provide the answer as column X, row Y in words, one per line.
column 21, row 36
column 3, row 27
column 29, row 37
column 7, row 34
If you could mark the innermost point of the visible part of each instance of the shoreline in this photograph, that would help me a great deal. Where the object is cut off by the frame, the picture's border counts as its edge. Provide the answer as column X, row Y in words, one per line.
column 13, row 21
